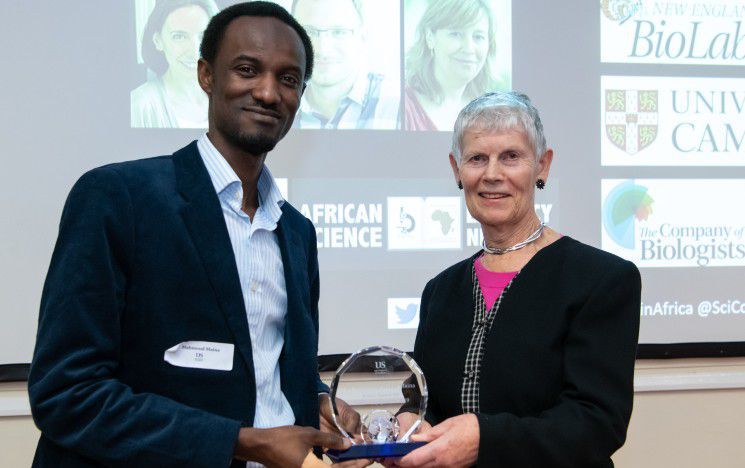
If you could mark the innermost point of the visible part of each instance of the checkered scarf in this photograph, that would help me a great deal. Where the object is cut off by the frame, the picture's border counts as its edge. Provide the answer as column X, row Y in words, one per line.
column 482, row 322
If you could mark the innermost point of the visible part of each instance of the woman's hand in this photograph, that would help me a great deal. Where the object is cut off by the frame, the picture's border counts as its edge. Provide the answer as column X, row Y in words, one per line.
column 405, row 420
column 453, row 442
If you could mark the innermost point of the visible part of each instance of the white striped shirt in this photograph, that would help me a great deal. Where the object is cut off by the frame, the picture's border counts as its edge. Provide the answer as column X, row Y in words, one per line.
column 261, row 274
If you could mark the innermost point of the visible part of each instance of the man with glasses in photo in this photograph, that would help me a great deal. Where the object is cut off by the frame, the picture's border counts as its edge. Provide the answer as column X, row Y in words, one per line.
column 342, row 94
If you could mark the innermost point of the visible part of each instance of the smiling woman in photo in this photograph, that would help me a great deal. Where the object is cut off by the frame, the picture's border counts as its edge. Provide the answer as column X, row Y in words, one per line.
column 172, row 98
column 451, row 61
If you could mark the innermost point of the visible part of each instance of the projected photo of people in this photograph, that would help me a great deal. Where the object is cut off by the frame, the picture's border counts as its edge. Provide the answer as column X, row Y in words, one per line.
column 456, row 50
column 356, row 77
column 170, row 96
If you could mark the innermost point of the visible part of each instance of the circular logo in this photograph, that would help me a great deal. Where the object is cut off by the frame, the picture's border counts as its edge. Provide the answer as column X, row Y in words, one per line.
column 619, row 10
column 624, row 205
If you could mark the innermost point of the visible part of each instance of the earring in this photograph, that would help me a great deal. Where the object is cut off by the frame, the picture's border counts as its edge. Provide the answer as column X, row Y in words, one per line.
column 460, row 185
column 540, row 184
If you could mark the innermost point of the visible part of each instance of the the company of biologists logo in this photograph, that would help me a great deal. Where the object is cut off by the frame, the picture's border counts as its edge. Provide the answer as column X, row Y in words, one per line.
column 674, row 222
column 626, row 204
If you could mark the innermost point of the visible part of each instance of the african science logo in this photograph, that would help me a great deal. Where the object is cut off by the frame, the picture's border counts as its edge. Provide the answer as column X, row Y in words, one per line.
column 424, row 223
column 626, row 204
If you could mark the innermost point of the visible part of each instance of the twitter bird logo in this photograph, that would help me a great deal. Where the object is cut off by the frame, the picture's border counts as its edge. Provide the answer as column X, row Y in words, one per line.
column 407, row 314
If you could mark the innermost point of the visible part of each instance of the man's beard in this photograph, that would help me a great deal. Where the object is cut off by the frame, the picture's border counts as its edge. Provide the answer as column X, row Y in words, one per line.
column 255, row 144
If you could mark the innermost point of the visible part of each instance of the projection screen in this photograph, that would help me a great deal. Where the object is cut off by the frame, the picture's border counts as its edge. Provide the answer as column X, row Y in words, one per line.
column 643, row 102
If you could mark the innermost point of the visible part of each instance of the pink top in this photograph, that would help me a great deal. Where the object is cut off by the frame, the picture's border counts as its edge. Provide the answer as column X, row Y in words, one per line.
column 492, row 283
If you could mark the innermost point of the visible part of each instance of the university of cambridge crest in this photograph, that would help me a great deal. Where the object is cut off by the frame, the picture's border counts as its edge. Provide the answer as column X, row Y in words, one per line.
column 631, row 118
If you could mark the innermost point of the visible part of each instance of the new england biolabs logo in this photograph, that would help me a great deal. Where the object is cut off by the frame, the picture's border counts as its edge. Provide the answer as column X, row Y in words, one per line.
column 620, row 10
column 626, row 204
column 631, row 118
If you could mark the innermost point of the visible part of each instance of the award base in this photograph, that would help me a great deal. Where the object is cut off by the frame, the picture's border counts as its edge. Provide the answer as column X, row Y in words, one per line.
column 372, row 451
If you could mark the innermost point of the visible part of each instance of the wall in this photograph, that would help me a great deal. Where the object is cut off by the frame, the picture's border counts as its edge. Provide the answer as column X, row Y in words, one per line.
column 687, row 413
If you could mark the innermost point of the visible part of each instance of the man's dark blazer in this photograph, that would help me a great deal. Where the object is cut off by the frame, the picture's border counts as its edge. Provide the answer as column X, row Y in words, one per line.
column 557, row 371
column 143, row 262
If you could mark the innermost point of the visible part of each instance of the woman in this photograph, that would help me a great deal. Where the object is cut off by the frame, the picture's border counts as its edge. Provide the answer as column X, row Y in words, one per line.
column 451, row 62
column 172, row 98
column 528, row 346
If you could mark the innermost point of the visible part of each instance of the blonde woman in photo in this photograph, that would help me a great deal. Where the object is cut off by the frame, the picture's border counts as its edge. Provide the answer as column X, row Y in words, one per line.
column 451, row 61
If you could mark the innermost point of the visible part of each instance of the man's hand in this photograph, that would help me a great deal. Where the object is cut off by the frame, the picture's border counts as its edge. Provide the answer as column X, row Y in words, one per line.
column 285, row 446
column 349, row 420
column 348, row 417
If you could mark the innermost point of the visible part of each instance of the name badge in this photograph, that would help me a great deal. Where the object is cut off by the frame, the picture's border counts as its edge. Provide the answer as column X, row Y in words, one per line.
column 201, row 355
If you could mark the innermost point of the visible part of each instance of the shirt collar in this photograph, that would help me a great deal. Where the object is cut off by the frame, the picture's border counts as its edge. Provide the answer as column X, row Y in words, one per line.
column 357, row 94
column 223, row 176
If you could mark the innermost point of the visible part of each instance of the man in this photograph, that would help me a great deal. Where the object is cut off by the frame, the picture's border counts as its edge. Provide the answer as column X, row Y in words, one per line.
column 343, row 93
column 178, row 324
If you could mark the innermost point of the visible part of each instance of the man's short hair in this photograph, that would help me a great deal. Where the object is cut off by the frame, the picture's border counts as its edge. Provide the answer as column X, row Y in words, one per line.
column 355, row 3
column 216, row 29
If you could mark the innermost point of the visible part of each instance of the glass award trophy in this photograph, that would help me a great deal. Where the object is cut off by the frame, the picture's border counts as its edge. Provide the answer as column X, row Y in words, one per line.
column 399, row 386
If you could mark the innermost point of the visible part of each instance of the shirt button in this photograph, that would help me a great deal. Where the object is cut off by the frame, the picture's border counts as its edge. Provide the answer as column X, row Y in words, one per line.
column 254, row 288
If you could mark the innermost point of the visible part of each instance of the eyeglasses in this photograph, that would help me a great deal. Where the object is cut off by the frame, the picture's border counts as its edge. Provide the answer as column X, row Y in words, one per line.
column 337, row 34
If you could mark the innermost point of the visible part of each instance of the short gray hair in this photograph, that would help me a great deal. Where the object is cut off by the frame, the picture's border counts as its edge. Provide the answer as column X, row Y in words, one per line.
column 499, row 111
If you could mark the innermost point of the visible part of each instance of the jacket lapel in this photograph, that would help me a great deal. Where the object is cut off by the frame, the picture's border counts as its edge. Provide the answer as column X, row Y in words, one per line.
column 206, row 225
column 294, row 262
column 297, row 323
